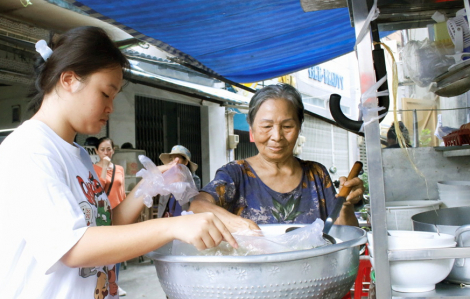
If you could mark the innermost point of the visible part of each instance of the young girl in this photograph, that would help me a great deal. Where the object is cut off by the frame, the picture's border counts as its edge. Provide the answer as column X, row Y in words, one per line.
column 55, row 218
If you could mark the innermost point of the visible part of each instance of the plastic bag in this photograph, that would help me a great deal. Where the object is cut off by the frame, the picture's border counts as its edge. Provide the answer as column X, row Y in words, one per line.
column 442, row 131
column 255, row 242
column 424, row 61
column 177, row 180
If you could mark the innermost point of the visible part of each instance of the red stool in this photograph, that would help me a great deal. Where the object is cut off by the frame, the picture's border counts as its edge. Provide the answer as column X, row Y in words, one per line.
column 361, row 286
column 347, row 296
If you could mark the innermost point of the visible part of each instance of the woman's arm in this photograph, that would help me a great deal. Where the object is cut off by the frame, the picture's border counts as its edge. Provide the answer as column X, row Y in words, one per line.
column 204, row 202
column 102, row 245
column 104, row 170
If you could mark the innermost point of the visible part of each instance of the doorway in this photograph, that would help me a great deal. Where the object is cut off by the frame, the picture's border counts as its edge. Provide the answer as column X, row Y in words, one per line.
column 160, row 124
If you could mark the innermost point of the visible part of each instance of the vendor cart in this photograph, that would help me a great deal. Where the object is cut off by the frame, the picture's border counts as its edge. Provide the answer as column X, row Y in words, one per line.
column 388, row 169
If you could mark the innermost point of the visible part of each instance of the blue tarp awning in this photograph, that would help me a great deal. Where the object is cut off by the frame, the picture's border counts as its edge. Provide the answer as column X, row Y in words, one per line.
column 244, row 41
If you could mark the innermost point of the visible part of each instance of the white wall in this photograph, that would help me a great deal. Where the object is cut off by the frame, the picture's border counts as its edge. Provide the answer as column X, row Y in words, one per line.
column 213, row 124
column 214, row 142
column 122, row 120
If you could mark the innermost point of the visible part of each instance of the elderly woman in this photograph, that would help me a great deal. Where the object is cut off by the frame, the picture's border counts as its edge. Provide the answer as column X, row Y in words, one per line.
column 274, row 186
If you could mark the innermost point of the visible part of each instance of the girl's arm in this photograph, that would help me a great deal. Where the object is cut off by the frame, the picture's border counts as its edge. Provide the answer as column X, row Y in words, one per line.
column 103, row 245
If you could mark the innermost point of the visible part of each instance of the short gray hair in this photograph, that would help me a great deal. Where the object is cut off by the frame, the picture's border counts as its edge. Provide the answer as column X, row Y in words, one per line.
column 276, row 91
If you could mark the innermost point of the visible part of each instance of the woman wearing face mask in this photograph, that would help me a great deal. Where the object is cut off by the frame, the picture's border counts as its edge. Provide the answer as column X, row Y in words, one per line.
column 63, row 240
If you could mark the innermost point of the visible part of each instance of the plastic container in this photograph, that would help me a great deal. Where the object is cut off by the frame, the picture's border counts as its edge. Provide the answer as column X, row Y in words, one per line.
column 399, row 213
column 454, row 193
column 457, row 138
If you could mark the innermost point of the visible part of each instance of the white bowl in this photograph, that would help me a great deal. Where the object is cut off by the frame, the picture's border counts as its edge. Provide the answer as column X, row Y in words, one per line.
column 419, row 240
column 419, row 275
column 414, row 240
column 454, row 193
column 456, row 202
column 453, row 185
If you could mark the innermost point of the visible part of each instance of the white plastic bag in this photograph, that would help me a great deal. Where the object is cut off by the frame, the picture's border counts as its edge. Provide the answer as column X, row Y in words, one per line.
column 254, row 242
column 442, row 131
column 424, row 62
column 177, row 180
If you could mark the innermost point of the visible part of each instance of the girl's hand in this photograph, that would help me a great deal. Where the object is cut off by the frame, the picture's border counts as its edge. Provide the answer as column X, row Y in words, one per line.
column 203, row 230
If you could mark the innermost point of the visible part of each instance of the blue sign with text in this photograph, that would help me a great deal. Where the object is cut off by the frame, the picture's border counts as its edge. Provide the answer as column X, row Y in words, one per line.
column 322, row 75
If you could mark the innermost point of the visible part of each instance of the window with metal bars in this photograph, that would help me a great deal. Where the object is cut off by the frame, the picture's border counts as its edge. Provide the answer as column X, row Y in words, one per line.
column 160, row 124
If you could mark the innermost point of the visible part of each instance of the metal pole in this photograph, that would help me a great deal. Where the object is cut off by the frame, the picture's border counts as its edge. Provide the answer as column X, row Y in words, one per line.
column 415, row 129
column 374, row 157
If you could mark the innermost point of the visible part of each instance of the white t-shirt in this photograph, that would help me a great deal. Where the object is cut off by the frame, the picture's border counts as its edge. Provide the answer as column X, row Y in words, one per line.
column 49, row 195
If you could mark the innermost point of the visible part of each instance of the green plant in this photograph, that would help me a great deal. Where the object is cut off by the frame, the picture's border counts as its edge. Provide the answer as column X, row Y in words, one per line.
column 425, row 137
column 365, row 178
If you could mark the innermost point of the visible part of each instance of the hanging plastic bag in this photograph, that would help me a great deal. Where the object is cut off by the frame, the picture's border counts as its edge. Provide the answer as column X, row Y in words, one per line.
column 177, row 180
column 424, row 61
column 442, row 131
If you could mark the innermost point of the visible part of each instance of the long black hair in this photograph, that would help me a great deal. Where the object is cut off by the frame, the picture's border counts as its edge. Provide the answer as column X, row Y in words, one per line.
column 84, row 50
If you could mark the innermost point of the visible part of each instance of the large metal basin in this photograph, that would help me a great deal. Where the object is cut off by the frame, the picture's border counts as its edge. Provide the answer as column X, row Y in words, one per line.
column 325, row 272
column 452, row 221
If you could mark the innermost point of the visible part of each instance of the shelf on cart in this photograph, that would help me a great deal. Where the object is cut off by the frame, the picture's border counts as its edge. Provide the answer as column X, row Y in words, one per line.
column 443, row 290
column 454, row 151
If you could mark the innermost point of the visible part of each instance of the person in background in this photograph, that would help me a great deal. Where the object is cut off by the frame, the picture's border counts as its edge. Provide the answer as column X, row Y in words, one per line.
column 62, row 240
column 392, row 139
column 127, row 145
column 91, row 141
column 167, row 204
column 111, row 178
column 274, row 186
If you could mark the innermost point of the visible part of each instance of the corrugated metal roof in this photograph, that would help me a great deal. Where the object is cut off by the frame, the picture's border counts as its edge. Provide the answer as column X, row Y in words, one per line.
column 188, row 88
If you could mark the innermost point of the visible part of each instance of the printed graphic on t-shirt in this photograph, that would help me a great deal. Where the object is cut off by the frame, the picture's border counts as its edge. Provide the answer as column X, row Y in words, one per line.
column 91, row 188
column 106, row 283
column 97, row 211
column 88, row 212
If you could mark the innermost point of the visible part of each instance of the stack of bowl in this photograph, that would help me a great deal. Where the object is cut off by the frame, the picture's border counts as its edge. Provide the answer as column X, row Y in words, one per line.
column 453, row 221
column 454, row 193
column 416, row 275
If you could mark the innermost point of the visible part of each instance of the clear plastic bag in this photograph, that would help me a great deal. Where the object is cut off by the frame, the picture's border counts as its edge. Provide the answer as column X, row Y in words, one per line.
column 255, row 242
column 177, row 180
column 442, row 131
column 424, row 61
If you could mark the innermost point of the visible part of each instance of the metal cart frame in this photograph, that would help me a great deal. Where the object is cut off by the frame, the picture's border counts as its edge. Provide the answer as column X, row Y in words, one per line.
column 382, row 256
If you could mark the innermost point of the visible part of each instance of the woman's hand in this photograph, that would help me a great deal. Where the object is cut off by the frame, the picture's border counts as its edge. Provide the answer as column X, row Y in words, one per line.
column 106, row 162
column 357, row 189
column 236, row 223
column 205, row 202
column 203, row 230
column 346, row 215
column 165, row 167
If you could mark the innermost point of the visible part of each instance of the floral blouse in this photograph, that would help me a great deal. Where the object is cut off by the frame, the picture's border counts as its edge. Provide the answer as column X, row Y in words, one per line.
column 237, row 186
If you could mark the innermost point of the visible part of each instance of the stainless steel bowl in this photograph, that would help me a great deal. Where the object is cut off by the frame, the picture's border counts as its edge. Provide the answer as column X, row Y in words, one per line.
column 452, row 221
column 325, row 272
